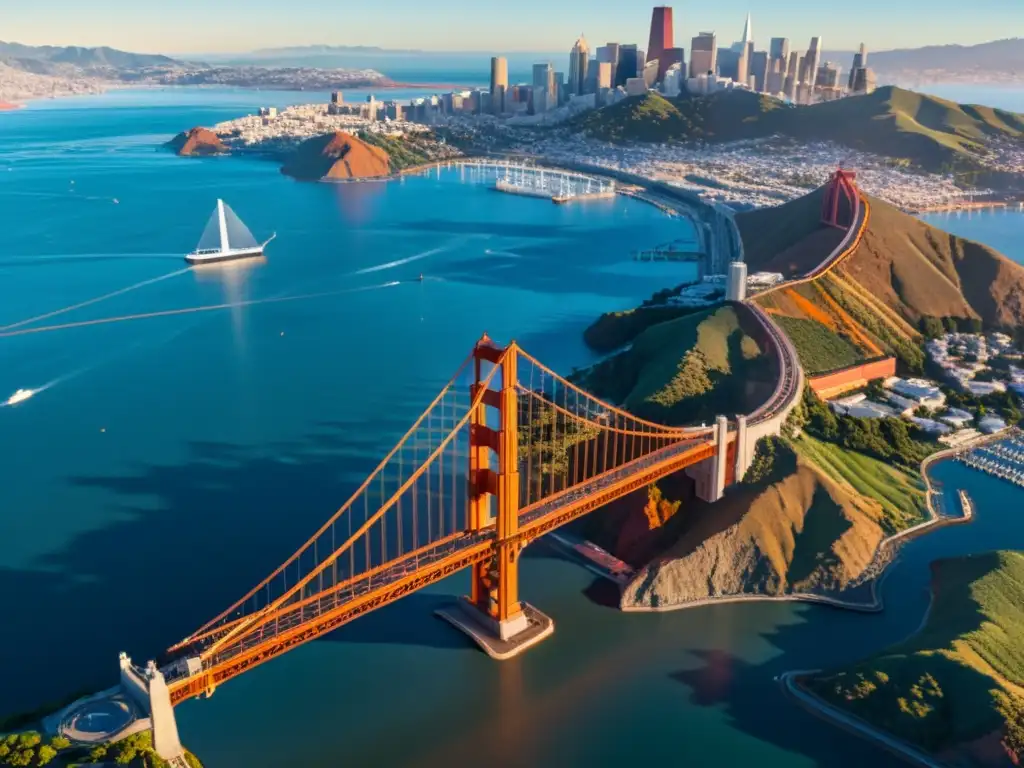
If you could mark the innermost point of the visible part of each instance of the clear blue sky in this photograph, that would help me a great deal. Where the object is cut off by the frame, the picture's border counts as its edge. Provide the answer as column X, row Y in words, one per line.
column 209, row 26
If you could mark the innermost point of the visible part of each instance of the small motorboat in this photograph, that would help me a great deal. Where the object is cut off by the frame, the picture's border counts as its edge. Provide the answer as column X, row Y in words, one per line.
column 20, row 396
column 421, row 277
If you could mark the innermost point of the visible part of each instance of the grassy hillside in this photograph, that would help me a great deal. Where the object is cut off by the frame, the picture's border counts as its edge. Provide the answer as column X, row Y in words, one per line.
column 919, row 271
column 686, row 370
column 953, row 681
column 813, row 525
column 928, row 131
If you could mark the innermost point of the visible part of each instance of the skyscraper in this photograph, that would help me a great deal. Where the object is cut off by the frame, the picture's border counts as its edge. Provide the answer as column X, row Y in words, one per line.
column 860, row 60
column 579, row 60
column 703, row 54
column 780, row 51
column 609, row 53
column 499, row 84
column 544, row 94
column 811, row 62
column 759, row 70
column 748, row 32
column 661, row 38
column 628, row 62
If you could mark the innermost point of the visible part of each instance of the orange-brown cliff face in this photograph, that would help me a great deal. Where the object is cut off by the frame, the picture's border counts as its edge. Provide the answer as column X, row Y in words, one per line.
column 198, row 141
column 337, row 156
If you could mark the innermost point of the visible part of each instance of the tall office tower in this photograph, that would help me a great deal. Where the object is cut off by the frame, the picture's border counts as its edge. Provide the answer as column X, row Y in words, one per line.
column 759, row 70
column 544, row 93
column 641, row 62
column 860, row 60
column 728, row 63
column 703, row 54
column 604, row 75
column 671, row 56
column 651, row 73
column 743, row 64
column 776, row 82
column 579, row 59
column 627, row 68
column 591, row 85
column 499, row 84
column 674, row 82
column 828, row 75
column 560, row 97
column 780, row 52
column 611, row 55
column 812, row 61
column 748, row 32
column 661, row 38
column 793, row 68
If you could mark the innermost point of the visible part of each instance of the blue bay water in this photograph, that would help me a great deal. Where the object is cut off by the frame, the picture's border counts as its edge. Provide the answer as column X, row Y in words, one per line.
column 173, row 461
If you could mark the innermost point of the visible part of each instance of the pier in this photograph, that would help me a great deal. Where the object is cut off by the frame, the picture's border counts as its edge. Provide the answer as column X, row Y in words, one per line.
column 536, row 181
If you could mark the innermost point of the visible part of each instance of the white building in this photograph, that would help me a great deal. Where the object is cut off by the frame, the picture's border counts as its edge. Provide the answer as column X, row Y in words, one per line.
column 982, row 388
column 920, row 391
column 736, row 287
column 674, row 81
column 860, row 407
column 991, row 424
column 957, row 418
column 932, row 427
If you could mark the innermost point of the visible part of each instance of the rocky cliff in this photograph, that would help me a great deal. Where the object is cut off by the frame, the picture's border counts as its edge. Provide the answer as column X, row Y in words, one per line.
column 197, row 143
column 337, row 156
column 802, row 531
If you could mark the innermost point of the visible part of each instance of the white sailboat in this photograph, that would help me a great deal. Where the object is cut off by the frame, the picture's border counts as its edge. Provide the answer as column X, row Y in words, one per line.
column 224, row 238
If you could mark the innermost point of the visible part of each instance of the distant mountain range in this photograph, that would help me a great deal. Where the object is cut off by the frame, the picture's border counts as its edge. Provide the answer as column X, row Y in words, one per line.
column 53, row 60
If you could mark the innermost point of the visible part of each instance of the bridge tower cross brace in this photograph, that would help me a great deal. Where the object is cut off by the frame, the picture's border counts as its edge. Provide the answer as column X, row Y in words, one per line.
column 495, row 583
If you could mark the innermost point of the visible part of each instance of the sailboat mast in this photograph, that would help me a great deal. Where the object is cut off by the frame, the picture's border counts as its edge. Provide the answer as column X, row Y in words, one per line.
column 224, row 247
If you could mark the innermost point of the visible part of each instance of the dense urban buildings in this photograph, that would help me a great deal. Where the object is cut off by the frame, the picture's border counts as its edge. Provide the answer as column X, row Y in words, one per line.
column 499, row 84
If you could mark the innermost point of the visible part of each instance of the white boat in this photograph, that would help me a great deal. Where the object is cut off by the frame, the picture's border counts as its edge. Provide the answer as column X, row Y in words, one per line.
column 20, row 396
column 224, row 238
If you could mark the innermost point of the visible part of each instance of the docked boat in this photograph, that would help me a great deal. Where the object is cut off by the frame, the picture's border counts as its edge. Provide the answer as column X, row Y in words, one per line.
column 225, row 238
column 20, row 396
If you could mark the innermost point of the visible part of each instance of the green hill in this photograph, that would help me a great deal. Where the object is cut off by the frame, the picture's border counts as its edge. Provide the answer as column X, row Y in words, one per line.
column 687, row 370
column 930, row 132
column 961, row 677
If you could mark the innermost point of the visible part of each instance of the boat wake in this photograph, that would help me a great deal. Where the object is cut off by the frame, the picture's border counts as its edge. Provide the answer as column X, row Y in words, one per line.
column 504, row 254
column 189, row 310
column 95, row 300
column 400, row 262
column 58, row 257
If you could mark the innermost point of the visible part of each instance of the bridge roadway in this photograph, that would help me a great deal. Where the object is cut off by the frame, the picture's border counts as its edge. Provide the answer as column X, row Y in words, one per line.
column 310, row 617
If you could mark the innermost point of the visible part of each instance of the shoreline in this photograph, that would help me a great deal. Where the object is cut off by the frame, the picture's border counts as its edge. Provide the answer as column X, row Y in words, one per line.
column 838, row 717
column 885, row 557
column 1009, row 205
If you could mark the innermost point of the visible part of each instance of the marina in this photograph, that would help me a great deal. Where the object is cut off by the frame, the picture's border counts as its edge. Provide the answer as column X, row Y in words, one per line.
column 1004, row 459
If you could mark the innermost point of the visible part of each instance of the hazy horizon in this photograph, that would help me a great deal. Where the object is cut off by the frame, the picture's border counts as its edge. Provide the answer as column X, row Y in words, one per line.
column 465, row 27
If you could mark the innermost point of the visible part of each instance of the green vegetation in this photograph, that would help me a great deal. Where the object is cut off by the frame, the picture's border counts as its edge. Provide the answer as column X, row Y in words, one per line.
column 28, row 748
column 962, row 676
column 403, row 152
column 890, row 440
column 653, row 118
column 686, row 370
column 820, row 349
column 613, row 330
column 910, row 354
column 933, row 133
column 901, row 492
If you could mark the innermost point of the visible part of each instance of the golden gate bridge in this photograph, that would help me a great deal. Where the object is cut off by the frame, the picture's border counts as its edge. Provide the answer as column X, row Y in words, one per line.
column 508, row 451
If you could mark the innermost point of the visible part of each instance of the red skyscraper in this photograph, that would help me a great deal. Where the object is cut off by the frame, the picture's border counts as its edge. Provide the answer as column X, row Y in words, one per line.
column 661, row 38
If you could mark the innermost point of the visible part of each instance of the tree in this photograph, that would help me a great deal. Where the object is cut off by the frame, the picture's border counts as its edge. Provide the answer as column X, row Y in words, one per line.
column 45, row 754
column 60, row 742
column 972, row 325
column 658, row 509
column 950, row 323
column 932, row 327
column 29, row 739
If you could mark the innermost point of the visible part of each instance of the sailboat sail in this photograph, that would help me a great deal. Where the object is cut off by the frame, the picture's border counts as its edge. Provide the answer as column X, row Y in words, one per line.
column 210, row 240
column 238, row 234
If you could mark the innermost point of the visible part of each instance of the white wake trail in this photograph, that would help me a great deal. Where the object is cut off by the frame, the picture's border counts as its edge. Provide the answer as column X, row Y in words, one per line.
column 400, row 262
column 96, row 300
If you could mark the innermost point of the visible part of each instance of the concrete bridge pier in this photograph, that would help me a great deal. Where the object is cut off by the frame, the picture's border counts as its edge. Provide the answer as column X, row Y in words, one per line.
column 149, row 689
column 710, row 474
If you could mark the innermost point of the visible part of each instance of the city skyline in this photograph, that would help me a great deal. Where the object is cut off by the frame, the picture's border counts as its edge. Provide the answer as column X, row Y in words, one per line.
column 236, row 26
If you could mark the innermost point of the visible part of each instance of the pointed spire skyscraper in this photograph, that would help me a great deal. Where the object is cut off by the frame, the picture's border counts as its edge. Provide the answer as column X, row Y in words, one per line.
column 748, row 32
